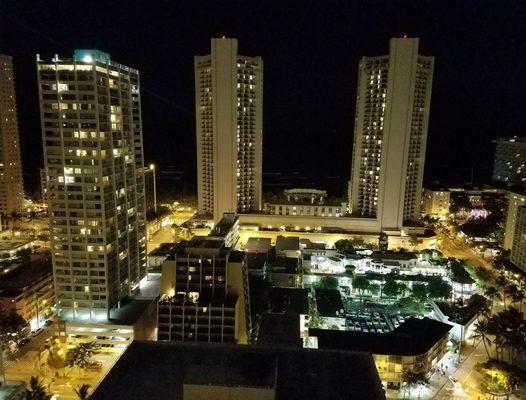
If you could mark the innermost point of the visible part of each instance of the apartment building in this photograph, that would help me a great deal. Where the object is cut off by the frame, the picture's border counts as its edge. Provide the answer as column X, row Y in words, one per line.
column 510, row 160
column 204, row 294
column 11, row 183
column 390, row 134
column 229, row 125
column 93, row 154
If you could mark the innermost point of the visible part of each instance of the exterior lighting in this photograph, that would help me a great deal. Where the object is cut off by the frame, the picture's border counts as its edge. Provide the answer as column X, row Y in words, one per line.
column 87, row 59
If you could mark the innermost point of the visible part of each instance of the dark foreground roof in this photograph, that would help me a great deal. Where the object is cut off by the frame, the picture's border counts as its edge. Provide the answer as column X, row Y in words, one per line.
column 158, row 370
column 414, row 337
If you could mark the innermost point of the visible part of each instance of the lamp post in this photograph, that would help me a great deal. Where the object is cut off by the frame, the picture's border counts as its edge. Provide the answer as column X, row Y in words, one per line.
column 152, row 167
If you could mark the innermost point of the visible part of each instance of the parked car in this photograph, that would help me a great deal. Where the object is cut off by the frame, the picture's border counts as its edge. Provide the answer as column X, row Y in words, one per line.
column 23, row 342
column 37, row 332
column 48, row 322
column 94, row 365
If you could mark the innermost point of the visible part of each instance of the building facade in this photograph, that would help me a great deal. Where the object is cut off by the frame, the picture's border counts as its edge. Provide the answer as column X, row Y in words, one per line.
column 11, row 183
column 309, row 202
column 204, row 294
column 229, row 124
column 518, row 248
column 29, row 293
column 435, row 202
column 515, row 200
column 92, row 142
column 510, row 160
column 390, row 134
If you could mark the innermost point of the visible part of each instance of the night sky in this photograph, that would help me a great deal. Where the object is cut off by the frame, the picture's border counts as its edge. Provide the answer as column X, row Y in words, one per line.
column 311, row 52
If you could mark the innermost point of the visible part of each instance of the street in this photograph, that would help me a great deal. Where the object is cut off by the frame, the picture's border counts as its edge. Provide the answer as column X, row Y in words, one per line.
column 450, row 248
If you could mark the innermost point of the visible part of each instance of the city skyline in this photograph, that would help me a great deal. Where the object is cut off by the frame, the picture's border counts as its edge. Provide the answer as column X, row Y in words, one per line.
column 318, row 123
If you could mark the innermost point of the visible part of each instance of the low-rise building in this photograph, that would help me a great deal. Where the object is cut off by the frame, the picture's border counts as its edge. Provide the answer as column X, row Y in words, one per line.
column 28, row 291
column 417, row 345
column 204, row 293
column 308, row 202
column 222, row 372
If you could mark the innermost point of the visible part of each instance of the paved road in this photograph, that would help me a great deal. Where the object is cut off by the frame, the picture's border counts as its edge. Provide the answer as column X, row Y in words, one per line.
column 165, row 235
column 451, row 248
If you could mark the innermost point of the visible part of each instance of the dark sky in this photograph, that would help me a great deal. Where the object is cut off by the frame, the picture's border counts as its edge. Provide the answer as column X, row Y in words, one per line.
column 311, row 52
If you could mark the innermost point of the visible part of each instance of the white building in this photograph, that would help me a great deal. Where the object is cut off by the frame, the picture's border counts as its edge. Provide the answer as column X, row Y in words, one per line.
column 92, row 140
column 11, row 184
column 390, row 133
column 229, row 120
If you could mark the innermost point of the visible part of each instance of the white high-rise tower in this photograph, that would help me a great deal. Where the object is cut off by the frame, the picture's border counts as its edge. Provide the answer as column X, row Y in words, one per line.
column 229, row 120
column 93, row 154
column 390, row 133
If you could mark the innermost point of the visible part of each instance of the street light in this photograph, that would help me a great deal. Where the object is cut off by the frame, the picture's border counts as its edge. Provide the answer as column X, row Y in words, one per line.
column 152, row 167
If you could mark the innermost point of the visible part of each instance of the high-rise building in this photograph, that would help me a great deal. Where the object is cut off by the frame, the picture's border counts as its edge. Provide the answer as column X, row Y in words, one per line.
column 518, row 248
column 11, row 184
column 229, row 120
column 390, row 133
column 43, row 184
column 92, row 140
column 510, row 160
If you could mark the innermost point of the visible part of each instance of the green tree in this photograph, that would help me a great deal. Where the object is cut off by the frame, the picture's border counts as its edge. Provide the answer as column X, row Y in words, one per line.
column 81, row 354
column 360, row 283
column 419, row 292
column 37, row 390
column 82, row 391
column 343, row 245
column 439, row 289
column 327, row 282
column 391, row 288
column 415, row 241
column 374, row 288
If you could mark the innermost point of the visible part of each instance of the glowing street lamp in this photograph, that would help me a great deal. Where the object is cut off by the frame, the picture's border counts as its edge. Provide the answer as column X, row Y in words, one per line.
column 152, row 167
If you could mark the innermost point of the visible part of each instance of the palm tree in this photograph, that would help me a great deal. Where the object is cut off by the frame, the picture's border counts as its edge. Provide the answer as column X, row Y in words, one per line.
column 82, row 391
column 481, row 332
column 491, row 292
column 37, row 390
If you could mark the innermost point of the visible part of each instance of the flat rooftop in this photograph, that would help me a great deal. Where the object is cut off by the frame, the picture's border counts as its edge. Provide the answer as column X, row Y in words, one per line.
column 258, row 245
column 414, row 337
column 287, row 243
column 10, row 245
column 294, row 373
column 329, row 303
column 15, row 281
column 289, row 300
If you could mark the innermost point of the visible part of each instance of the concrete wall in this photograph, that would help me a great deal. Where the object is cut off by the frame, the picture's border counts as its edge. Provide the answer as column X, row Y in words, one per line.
column 207, row 392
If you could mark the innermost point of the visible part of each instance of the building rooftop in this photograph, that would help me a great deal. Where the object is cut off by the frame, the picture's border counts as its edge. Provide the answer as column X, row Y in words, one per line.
column 289, row 300
column 378, row 255
column 164, row 249
column 414, row 337
column 10, row 245
column 280, row 329
column 329, row 303
column 284, row 243
column 224, row 225
column 14, row 282
column 284, row 265
column 258, row 245
column 294, row 373
column 256, row 260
